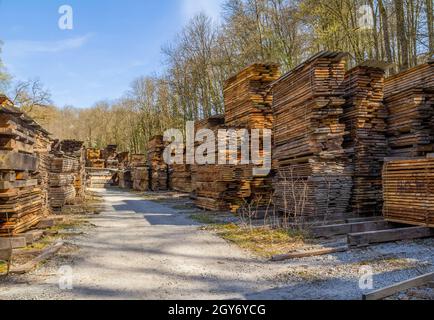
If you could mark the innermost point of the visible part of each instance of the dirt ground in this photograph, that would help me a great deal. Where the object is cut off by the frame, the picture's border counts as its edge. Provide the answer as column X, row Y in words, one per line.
column 152, row 249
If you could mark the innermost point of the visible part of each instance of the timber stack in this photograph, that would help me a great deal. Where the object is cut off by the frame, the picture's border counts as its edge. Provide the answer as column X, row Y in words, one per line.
column 408, row 191
column 409, row 100
column 210, row 186
column 98, row 176
column 20, row 195
column 312, row 178
column 180, row 178
column 43, row 149
column 159, row 170
column 109, row 154
column 76, row 150
column 366, row 144
column 248, row 105
column 61, row 181
column 140, row 172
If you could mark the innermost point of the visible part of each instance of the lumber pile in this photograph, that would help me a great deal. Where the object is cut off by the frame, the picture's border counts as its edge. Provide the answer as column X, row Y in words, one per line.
column 75, row 149
column 94, row 159
column 248, row 105
column 366, row 144
column 61, row 181
column 408, row 191
column 125, row 179
column 123, row 159
column 21, row 198
column 157, row 166
column 180, row 178
column 42, row 149
column 109, row 154
column 210, row 187
column 98, row 178
column 140, row 179
column 312, row 177
column 409, row 99
column 247, row 98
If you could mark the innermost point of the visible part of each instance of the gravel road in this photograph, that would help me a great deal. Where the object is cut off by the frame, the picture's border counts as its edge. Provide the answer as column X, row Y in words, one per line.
column 145, row 250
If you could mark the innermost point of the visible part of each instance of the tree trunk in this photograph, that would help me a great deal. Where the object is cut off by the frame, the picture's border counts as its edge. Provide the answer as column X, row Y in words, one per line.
column 429, row 14
column 401, row 32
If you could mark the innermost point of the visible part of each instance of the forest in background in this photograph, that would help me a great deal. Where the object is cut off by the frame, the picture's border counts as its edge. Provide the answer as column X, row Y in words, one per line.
column 205, row 54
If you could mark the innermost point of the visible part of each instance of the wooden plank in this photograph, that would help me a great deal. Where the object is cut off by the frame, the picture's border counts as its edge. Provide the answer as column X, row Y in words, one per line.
column 342, row 229
column 46, row 254
column 400, row 234
column 399, row 287
column 18, row 161
column 312, row 253
column 6, row 185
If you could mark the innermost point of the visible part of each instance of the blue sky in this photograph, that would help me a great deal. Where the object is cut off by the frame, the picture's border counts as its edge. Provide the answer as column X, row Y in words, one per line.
column 112, row 43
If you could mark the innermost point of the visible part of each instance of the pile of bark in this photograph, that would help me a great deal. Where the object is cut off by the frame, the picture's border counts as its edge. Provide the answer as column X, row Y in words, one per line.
column 365, row 119
column 21, row 198
column 409, row 100
column 312, row 177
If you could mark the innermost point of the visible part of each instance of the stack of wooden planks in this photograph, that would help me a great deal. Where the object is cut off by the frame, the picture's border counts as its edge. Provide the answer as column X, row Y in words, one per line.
column 42, row 149
column 409, row 100
column 211, row 187
column 180, row 178
column 312, row 178
column 21, row 198
column 94, row 159
column 248, row 105
column 409, row 191
column 140, row 178
column 157, row 166
column 366, row 144
column 109, row 154
column 75, row 149
column 61, row 181
column 125, row 177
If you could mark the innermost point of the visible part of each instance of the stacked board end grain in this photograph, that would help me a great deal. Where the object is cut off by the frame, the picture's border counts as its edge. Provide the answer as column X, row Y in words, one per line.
column 20, row 195
column 98, row 176
column 248, row 105
column 312, row 178
column 75, row 149
column 366, row 144
column 158, row 167
column 209, row 186
column 61, row 181
column 180, row 177
column 409, row 191
column 409, row 100
column 140, row 174
column 43, row 149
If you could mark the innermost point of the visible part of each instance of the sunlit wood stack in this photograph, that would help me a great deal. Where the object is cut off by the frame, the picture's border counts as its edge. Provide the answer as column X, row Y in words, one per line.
column 248, row 105
column 123, row 159
column 409, row 99
column 210, row 186
column 94, row 159
column 21, row 199
column 408, row 191
column 308, row 139
column 109, row 154
column 157, row 166
column 366, row 144
column 76, row 150
column 61, row 181
column 42, row 149
column 140, row 179
column 180, row 177
column 125, row 177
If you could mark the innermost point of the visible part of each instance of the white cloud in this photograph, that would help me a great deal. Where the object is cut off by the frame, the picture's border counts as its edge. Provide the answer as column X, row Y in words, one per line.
column 23, row 47
column 211, row 7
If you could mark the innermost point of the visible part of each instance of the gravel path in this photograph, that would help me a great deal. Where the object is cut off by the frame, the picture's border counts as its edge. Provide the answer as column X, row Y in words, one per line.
column 144, row 250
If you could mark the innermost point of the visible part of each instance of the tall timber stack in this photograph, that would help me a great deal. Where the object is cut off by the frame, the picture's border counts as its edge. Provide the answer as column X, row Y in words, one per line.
column 409, row 100
column 20, row 195
column 158, row 167
column 75, row 149
column 61, row 181
column 312, row 177
column 97, row 175
column 43, row 149
column 248, row 105
column 210, row 187
column 180, row 177
column 366, row 144
column 408, row 180
column 140, row 173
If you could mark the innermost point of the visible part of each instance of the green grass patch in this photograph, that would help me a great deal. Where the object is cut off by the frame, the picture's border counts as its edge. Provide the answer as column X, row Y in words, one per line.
column 262, row 241
column 203, row 218
column 3, row 267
